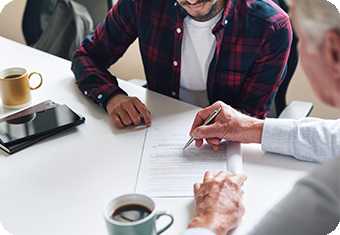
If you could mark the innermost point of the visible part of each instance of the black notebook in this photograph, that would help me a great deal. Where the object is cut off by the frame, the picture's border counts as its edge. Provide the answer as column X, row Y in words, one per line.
column 34, row 124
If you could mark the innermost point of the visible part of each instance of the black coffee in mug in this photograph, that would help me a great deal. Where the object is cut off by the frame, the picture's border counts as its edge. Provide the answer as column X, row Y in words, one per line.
column 12, row 76
column 134, row 214
column 130, row 213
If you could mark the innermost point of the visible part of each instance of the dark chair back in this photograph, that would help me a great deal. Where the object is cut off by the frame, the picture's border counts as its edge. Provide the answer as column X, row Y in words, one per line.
column 37, row 13
column 280, row 99
column 31, row 24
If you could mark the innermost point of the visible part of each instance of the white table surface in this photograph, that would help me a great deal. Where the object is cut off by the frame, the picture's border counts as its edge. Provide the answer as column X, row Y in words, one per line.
column 59, row 186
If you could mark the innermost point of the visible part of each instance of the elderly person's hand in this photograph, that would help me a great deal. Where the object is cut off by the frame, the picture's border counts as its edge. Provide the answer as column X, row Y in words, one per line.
column 229, row 124
column 218, row 201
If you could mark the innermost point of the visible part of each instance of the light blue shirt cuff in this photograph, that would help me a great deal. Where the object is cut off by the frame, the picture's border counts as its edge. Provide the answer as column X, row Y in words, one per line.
column 197, row 231
column 277, row 135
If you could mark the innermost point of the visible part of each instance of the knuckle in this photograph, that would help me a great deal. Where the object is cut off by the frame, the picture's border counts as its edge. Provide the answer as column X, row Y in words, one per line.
column 219, row 102
column 127, row 122
column 124, row 103
column 116, row 121
column 144, row 109
column 135, row 100
column 137, row 120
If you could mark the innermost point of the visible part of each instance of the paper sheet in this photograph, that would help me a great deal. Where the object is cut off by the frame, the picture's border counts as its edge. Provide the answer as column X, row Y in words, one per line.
column 166, row 170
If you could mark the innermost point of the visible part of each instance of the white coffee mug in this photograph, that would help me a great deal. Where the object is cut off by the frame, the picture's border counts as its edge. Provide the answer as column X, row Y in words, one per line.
column 130, row 224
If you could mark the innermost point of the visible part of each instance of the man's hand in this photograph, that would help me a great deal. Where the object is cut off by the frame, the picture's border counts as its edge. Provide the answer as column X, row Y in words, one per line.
column 125, row 111
column 218, row 199
column 229, row 124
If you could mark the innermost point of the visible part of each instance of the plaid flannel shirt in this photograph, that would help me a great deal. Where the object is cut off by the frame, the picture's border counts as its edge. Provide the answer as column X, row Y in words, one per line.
column 253, row 44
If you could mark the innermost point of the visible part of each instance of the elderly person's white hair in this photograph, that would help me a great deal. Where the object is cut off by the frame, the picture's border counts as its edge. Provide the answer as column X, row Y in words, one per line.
column 315, row 17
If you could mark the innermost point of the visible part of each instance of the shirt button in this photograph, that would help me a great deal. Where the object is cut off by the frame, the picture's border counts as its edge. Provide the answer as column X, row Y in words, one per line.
column 226, row 22
column 173, row 93
column 175, row 4
column 175, row 63
column 178, row 30
column 85, row 92
column 100, row 96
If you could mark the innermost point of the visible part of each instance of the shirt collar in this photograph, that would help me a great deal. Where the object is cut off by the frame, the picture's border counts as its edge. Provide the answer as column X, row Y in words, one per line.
column 228, row 13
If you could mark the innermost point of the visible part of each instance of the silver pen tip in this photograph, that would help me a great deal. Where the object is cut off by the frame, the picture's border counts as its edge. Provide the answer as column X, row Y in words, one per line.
column 188, row 143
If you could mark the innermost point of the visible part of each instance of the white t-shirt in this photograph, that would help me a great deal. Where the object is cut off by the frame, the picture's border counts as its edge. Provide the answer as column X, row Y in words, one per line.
column 198, row 48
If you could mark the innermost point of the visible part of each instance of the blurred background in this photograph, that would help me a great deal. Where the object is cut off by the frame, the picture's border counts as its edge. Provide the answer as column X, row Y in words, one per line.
column 130, row 65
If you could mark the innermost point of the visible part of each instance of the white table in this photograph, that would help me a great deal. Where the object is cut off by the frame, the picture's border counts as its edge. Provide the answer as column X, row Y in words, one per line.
column 60, row 185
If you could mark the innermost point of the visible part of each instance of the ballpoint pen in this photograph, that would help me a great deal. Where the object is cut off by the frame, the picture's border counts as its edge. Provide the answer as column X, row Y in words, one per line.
column 205, row 123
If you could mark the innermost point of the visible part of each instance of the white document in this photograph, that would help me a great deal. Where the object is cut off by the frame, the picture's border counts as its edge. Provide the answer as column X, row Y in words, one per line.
column 166, row 170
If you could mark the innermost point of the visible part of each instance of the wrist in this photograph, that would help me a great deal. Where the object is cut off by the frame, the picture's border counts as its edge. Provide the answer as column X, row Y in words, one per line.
column 110, row 100
column 253, row 131
column 217, row 228
column 198, row 230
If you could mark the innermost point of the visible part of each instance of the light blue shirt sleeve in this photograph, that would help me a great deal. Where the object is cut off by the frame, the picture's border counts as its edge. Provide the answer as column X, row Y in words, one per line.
column 197, row 231
column 307, row 139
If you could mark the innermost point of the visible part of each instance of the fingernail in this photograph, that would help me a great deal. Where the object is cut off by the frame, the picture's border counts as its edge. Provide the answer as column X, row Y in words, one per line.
column 195, row 134
column 215, row 142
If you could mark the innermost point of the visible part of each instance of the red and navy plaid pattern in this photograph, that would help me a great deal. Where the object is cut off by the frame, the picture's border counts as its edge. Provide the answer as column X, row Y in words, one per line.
column 253, row 44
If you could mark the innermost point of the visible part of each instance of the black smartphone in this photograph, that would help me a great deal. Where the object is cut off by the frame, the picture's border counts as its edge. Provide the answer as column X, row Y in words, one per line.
column 39, row 123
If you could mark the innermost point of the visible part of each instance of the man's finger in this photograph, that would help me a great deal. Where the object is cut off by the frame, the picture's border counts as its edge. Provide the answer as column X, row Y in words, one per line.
column 116, row 121
column 205, row 132
column 201, row 116
column 143, row 111
column 239, row 179
column 197, row 187
column 125, row 118
column 214, row 143
column 198, row 142
column 133, row 114
column 209, row 175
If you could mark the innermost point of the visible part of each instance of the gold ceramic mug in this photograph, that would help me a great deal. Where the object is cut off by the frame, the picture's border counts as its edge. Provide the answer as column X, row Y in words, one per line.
column 15, row 88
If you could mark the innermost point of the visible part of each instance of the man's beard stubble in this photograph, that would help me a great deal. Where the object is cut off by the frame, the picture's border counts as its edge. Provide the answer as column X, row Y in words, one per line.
column 207, row 16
